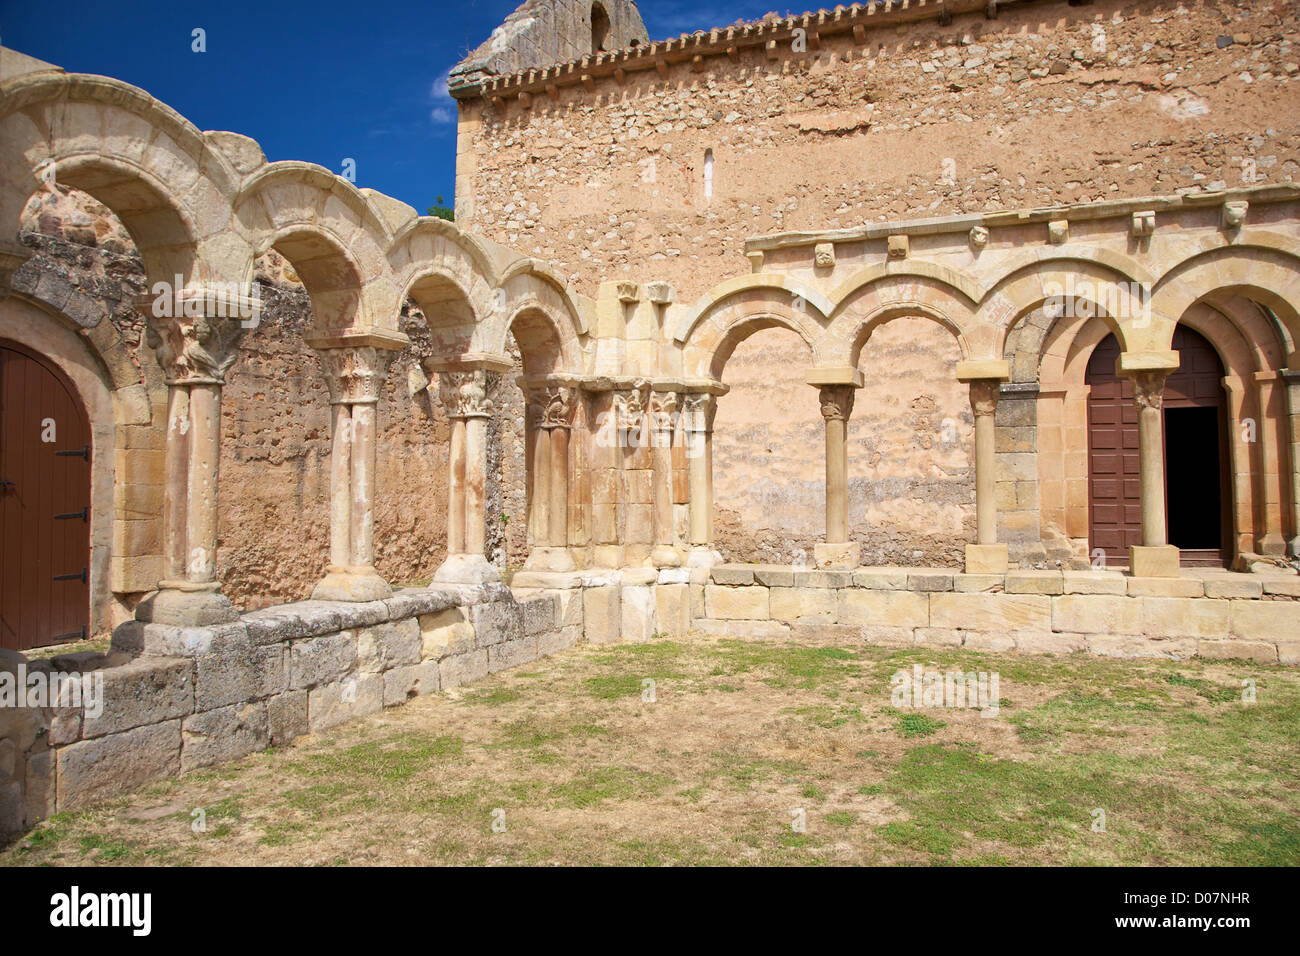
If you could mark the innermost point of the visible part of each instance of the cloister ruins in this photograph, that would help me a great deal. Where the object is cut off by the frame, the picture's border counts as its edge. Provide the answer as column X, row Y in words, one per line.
column 1073, row 324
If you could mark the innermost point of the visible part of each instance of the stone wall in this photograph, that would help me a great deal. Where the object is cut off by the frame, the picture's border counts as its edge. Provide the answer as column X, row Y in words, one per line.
column 175, row 700
column 1047, row 104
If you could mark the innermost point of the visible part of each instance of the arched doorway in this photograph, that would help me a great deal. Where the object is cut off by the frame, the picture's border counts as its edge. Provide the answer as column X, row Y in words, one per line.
column 1197, row 482
column 44, row 504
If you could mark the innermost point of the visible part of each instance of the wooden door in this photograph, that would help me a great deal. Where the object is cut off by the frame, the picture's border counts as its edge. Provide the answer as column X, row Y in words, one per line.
column 44, row 504
column 1114, row 484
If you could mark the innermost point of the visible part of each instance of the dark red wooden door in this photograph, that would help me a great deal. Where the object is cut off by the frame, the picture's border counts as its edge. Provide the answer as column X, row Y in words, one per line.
column 44, row 505
column 1114, row 485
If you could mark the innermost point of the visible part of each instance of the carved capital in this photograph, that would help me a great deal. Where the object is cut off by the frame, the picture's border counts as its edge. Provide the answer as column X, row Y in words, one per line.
column 837, row 402
column 464, row 394
column 631, row 405
column 1149, row 389
column 559, row 404
column 698, row 411
column 194, row 350
column 984, row 396
column 354, row 374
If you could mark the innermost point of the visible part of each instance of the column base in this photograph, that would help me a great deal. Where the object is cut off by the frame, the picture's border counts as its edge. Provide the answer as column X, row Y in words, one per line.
column 1293, row 547
column 986, row 559
column 550, row 559
column 1159, row 561
column 846, row 554
column 702, row 556
column 665, row 556
column 1271, row 545
column 356, row 584
column 466, row 569
column 183, row 604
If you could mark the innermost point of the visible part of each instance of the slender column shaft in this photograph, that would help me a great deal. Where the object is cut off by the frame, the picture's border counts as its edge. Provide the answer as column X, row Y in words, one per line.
column 700, row 486
column 984, row 403
column 837, row 406
column 340, row 486
column 539, row 511
column 559, row 490
column 1292, row 458
column 456, row 489
column 205, row 457
column 1148, row 393
column 176, row 482
column 475, row 485
column 362, row 524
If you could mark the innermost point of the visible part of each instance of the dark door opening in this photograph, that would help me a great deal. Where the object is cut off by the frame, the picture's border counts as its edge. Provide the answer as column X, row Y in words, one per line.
column 1192, row 479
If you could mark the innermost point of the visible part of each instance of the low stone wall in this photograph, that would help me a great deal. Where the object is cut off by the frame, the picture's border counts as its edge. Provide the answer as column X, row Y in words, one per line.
column 1212, row 614
column 177, row 699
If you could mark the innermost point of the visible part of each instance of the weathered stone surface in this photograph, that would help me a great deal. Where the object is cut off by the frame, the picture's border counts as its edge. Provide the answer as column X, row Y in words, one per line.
column 732, row 575
column 889, row 609
column 286, row 717
column 1097, row 614
column 539, row 614
column 239, row 673
column 1046, row 642
column 388, row 645
column 736, row 603
column 226, row 733
column 1034, row 582
column 673, row 610
column 977, row 582
column 1094, row 581
column 555, row 641
column 329, row 705
column 92, row 771
column 497, row 621
column 988, row 641
column 1184, row 617
column 40, row 796
column 511, row 654
column 637, row 614
column 145, row 691
column 1233, row 586
column 1165, row 587
column 407, row 681
column 826, row 634
column 737, row 628
column 1264, row 620
column 1257, row 651
column 890, row 579
column 930, row 581
column 991, row 612
column 322, row 660
column 1287, row 585
column 601, row 615
column 1123, row 645
column 445, row 633
column 462, row 668
column 791, row 604
column 942, row 636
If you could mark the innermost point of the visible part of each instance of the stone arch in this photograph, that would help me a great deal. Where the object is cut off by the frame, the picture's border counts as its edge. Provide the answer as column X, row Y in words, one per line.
column 940, row 295
column 736, row 309
column 1261, row 272
column 168, row 183
column 331, row 234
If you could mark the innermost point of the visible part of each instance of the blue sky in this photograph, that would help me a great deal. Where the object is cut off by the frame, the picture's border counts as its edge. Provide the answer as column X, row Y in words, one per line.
column 319, row 81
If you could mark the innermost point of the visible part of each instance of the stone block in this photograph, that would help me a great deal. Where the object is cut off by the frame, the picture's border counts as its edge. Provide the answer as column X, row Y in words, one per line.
column 1166, row 587
column 736, row 603
column 637, row 613
column 881, row 579
column 539, row 614
column 928, row 581
column 316, row 661
column 773, row 575
column 462, row 668
column 991, row 612
column 1233, row 586
column 1184, row 617
column 732, row 575
column 793, row 604
column 40, row 794
column 602, row 619
column 147, row 690
column 558, row 640
column 511, row 654
column 1283, row 585
column 968, row 583
column 1097, row 614
column 1046, row 642
column 406, row 681
column 841, row 555
column 986, row 558
column 1034, row 582
column 673, row 610
column 1153, row 562
column 941, row 636
column 13, row 807
column 883, row 634
column 988, row 641
column 887, row 609
column 823, row 579
column 92, row 771
column 226, row 733
column 286, row 717
column 1124, row 645
column 826, row 634
column 329, row 705
column 1264, row 620
column 1094, row 581
column 497, row 621
column 763, row 630
column 385, row 646
column 445, row 633
column 1258, row 651
column 239, row 673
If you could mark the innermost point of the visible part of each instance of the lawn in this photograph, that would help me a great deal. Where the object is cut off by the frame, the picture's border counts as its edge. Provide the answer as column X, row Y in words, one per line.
column 747, row 752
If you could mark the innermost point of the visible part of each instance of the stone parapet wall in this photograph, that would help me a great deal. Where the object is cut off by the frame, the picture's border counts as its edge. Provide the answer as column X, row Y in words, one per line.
column 1217, row 614
column 179, row 699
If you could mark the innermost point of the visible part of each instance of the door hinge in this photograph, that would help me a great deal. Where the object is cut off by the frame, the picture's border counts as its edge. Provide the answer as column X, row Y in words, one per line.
column 80, row 453
column 70, row 636
column 83, row 514
column 79, row 576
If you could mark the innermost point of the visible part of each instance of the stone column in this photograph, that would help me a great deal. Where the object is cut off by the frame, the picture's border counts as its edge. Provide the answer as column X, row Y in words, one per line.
column 1272, row 482
column 837, row 551
column 549, row 518
column 353, row 375
column 986, row 555
column 697, row 422
column 463, row 390
column 663, row 415
column 1155, row 557
column 195, row 338
column 537, row 451
column 1291, row 460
